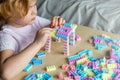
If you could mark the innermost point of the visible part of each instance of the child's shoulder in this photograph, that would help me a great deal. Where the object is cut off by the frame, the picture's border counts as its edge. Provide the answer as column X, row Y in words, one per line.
column 42, row 21
column 4, row 35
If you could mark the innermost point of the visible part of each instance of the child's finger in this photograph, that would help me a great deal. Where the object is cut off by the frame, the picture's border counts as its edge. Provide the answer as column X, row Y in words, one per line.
column 52, row 22
column 47, row 29
column 63, row 21
column 57, row 20
column 60, row 22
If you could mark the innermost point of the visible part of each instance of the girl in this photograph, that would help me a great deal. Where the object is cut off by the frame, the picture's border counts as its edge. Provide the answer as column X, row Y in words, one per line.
column 22, row 36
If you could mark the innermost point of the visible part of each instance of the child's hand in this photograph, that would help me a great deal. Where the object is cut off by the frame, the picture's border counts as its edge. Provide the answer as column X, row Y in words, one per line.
column 42, row 36
column 57, row 21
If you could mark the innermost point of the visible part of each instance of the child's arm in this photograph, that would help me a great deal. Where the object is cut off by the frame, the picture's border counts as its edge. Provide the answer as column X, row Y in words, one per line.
column 11, row 65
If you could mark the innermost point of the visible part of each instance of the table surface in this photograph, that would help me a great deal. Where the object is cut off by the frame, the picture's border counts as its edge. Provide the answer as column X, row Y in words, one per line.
column 57, row 58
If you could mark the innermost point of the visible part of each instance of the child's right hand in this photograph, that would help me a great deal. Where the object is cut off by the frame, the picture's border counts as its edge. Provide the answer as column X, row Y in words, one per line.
column 42, row 36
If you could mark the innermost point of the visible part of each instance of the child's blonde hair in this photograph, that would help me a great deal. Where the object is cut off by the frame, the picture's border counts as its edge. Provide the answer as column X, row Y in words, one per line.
column 8, row 8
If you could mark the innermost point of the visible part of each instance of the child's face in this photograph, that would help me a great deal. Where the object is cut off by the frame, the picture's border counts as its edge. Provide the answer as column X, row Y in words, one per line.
column 29, row 18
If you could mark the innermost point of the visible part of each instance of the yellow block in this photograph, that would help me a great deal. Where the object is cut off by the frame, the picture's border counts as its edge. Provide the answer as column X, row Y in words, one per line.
column 89, row 72
column 53, row 34
column 104, row 65
column 81, row 61
column 111, row 66
column 106, row 76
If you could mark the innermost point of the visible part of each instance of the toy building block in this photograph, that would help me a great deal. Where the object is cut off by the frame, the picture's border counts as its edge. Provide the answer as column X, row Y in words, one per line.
column 77, row 77
column 86, row 51
column 72, row 38
column 28, row 77
column 53, row 32
column 72, row 67
column 37, row 62
column 68, row 24
column 89, row 72
column 38, row 76
column 72, row 73
column 48, row 45
column 28, row 67
column 40, row 55
column 66, row 78
column 33, row 59
column 63, row 32
column 77, row 38
column 65, row 66
column 60, row 76
column 106, row 76
column 50, row 68
column 90, row 78
column 66, row 32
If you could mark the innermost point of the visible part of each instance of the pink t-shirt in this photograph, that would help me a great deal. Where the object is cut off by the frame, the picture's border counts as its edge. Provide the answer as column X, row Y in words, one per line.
column 17, row 39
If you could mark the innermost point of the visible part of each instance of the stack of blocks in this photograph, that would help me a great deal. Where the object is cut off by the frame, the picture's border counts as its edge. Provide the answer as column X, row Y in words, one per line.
column 48, row 45
column 67, row 33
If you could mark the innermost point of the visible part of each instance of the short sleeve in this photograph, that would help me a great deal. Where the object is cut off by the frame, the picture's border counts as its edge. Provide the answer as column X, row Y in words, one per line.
column 7, row 42
column 41, row 22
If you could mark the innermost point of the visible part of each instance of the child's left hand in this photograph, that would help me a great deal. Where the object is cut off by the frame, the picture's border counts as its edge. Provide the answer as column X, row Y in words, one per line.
column 57, row 21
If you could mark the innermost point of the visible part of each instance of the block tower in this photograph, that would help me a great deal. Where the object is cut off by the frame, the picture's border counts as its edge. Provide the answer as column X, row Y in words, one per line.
column 65, row 32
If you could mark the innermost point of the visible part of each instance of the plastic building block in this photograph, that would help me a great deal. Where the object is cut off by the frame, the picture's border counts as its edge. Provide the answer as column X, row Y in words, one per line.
column 37, row 62
column 38, row 76
column 60, row 76
column 66, row 32
column 50, row 68
column 89, row 72
column 72, row 67
column 63, row 32
column 65, row 66
column 40, row 55
column 47, row 76
column 48, row 44
column 28, row 67
column 77, row 38
column 32, row 60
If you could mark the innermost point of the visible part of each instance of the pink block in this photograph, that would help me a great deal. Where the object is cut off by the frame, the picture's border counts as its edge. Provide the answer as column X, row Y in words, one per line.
column 60, row 76
column 72, row 67
column 90, row 41
column 65, row 66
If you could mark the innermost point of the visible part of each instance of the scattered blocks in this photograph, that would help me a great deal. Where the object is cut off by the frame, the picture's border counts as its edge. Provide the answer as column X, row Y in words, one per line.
column 77, row 38
column 35, row 61
column 38, row 76
column 60, row 76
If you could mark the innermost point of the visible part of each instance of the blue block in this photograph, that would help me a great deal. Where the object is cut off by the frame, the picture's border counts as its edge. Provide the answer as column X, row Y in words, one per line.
column 47, row 76
column 32, row 60
column 68, row 25
column 28, row 67
column 37, row 62
column 40, row 55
